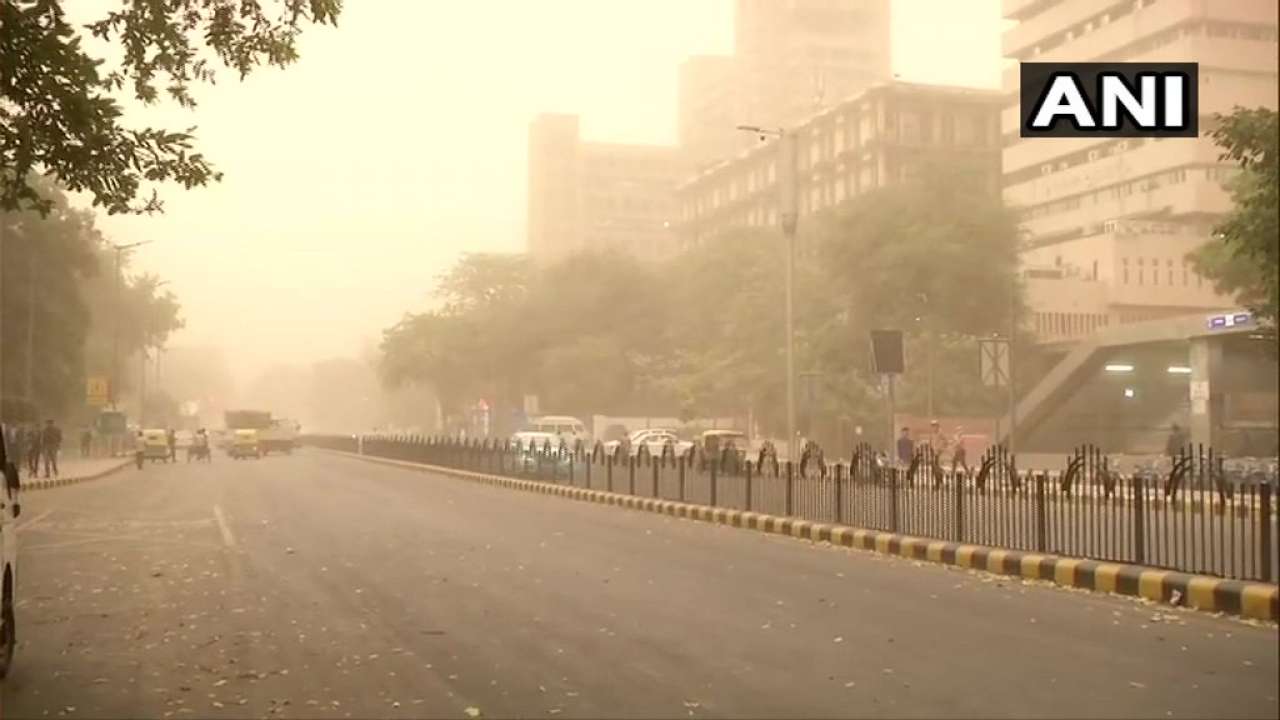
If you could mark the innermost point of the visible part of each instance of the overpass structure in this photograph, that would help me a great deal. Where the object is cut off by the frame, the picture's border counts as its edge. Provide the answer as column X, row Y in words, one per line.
column 1124, row 388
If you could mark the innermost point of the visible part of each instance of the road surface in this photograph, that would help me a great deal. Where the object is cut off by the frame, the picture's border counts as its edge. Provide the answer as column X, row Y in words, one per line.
column 318, row 585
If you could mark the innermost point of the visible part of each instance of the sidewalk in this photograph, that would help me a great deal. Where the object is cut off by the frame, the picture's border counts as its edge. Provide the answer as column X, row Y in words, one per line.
column 74, row 470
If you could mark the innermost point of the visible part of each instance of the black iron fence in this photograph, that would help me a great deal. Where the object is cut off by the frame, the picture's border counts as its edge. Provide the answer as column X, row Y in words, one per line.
column 1195, row 513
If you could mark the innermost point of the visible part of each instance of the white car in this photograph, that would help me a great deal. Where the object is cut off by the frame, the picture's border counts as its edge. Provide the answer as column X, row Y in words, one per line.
column 654, row 440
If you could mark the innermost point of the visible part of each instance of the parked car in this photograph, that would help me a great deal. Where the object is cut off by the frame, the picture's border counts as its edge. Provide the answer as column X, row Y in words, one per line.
column 534, row 452
column 654, row 440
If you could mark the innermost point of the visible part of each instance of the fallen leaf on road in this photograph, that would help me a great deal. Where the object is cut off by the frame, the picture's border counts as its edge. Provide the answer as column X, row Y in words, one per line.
column 472, row 712
column 838, row 639
column 850, row 684
column 1136, row 684
column 220, row 683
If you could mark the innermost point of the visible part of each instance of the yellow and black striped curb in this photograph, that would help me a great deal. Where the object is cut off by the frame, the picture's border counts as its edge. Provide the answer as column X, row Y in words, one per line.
column 1249, row 599
column 50, row 483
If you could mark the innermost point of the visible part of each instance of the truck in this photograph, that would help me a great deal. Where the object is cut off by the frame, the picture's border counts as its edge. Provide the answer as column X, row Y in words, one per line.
column 281, row 436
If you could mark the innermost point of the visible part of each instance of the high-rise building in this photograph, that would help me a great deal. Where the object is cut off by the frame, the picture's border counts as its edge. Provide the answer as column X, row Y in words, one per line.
column 585, row 195
column 1109, row 221
column 798, row 56
column 709, row 106
column 792, row 58
column 872, row 140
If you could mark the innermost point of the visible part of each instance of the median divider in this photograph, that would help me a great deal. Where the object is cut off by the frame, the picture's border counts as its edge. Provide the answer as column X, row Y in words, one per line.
column 1248, row 599
column 65, row 480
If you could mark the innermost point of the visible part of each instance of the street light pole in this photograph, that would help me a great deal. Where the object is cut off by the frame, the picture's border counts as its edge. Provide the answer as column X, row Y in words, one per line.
column 788, row 216
column 115, row 341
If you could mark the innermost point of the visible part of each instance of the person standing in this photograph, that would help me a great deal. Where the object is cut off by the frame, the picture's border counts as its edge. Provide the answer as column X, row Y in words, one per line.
column 33, row 448
column 50, row 444
column 86, row 443
column 1177, row 443
column 172, row 438
column 906, row 448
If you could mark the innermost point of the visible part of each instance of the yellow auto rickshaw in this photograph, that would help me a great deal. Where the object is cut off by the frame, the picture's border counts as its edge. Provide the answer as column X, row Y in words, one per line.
column 155, row 445
column 244, row 444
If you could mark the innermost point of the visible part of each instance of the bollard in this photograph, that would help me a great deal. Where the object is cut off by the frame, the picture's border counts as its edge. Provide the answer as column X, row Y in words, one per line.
column 631, row 475
column 655, row 475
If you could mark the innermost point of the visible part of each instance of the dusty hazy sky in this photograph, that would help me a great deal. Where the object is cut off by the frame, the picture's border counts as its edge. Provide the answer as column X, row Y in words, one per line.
column 398, row 141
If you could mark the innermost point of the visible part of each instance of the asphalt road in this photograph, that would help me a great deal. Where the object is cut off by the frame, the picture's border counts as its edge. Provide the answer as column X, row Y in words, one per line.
column 323, row 586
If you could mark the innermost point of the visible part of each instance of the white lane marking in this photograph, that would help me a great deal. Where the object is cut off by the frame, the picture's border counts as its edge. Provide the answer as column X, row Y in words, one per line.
column 35, row 520
column 227, row 538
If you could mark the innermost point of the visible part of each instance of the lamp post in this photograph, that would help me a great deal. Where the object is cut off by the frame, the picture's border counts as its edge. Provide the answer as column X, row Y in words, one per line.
column 788, row 217
column 115, row 341
column 142, row 385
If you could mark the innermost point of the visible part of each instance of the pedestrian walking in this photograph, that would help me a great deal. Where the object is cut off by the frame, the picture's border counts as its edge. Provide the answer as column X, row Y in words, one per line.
column 33, row 448
column 50, row 444
column 959, row 455
column 172, row 438
column 86, row 443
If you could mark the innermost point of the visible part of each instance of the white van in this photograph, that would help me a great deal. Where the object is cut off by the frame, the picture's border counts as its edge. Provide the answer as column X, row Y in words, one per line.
column 569, row 429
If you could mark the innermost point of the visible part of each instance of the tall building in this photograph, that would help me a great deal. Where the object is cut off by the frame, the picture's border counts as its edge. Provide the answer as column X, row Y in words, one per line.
column 1109, row 221
column 798, row 56
column 586, row 195
column 877, row 138
column 709, row 107
column 792, row 58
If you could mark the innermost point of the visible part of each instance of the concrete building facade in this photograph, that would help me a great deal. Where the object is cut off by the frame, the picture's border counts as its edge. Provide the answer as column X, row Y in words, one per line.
column 585, row 195
column 1109, row 221
column 869, row 141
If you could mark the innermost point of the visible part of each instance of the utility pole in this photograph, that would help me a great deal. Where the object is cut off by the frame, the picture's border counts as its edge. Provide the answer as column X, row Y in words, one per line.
column 1013, row 333
column 142, row 390
column 112, row 397
column 789, row 214
column 788, row 217
column 31, row 323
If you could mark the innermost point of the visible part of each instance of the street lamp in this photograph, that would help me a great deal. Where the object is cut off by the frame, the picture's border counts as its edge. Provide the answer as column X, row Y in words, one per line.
column 788, row 216
column 142, row 385
column 115, row 341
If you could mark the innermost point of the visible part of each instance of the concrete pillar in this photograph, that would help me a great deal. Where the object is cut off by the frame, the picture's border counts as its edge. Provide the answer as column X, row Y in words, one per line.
column 1206, row 391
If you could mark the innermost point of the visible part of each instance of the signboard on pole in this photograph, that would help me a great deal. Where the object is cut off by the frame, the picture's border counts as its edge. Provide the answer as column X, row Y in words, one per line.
column 96, row 391
column 993, row 362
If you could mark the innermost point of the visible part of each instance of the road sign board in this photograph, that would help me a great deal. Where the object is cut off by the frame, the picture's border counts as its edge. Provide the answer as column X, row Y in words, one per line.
column 96, row 391
column 993, row 362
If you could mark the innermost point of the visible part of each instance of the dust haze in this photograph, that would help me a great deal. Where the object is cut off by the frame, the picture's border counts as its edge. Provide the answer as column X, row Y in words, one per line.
column 399, row 141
